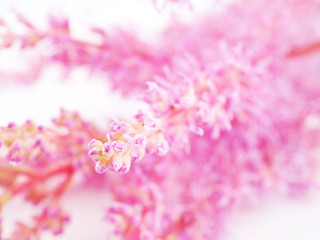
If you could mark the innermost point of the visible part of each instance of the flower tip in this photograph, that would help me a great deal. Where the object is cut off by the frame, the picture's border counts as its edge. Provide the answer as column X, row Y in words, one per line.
column 100, row 168
column 94, row 143
column 107, row 150
column 11, row 125
column 162, row 149
column 119, row 146
column 123, row 170
column 115, row 164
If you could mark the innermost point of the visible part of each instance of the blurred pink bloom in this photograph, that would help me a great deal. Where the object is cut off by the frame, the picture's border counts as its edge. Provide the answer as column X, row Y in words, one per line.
column 234, row 115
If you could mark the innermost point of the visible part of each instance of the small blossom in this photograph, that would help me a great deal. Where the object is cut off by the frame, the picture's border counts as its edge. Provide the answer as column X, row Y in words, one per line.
column 53, row 218
column 127, row 145
column 148, row 123
column 115, row 164
column 107, row 150
column 118, row 126
column 138, row 141
column 162, row 149
column 137, row 154
column 16, row 154
column 12, row 125
column 119, row 146
column 100, row 167
column 95, row 153
column 94, row 143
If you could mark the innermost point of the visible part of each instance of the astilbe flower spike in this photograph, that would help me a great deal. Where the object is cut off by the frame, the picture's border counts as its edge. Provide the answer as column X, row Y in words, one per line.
column 127, row 143
column 119, row 54
column 236, row 117
column 31, row 156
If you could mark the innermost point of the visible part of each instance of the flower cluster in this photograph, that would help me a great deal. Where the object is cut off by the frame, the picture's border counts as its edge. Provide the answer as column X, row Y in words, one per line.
column 37, row 145
column 127, row 143
column 52, row 219
column 207, row 98
column 236, row 115
column 39, row 163
column 142, row 218
column 119, row 55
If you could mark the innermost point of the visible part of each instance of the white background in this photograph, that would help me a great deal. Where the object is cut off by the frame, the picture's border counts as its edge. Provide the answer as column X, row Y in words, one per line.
column 275, row 218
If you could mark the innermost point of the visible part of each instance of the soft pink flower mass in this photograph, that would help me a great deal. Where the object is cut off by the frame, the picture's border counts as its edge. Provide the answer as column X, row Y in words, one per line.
column 234, row 114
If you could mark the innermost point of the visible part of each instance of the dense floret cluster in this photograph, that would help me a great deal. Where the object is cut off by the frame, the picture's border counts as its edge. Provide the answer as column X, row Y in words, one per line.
column 233, row 114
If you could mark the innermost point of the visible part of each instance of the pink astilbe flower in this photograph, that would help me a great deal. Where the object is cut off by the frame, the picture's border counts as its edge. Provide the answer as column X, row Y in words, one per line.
column 116, row 54
column 127, row 143
column 236, row 103
column 36, row 145
column 140, row 217
column 38, row 155
column 221, row 74
column 52, row 218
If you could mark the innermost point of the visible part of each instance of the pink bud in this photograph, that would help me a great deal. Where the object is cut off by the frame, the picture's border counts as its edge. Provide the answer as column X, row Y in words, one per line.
column 100, row 168
column 107, row 150
column 118, row 126
column 162, row 149
column 94, row 143
column 15, row 156
column 139, row 141
column 137, row 155
column 119, row 146
column 12, row 125
column 125, row 167
column 115, row 164
column 149, row 124
column 95, row 153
